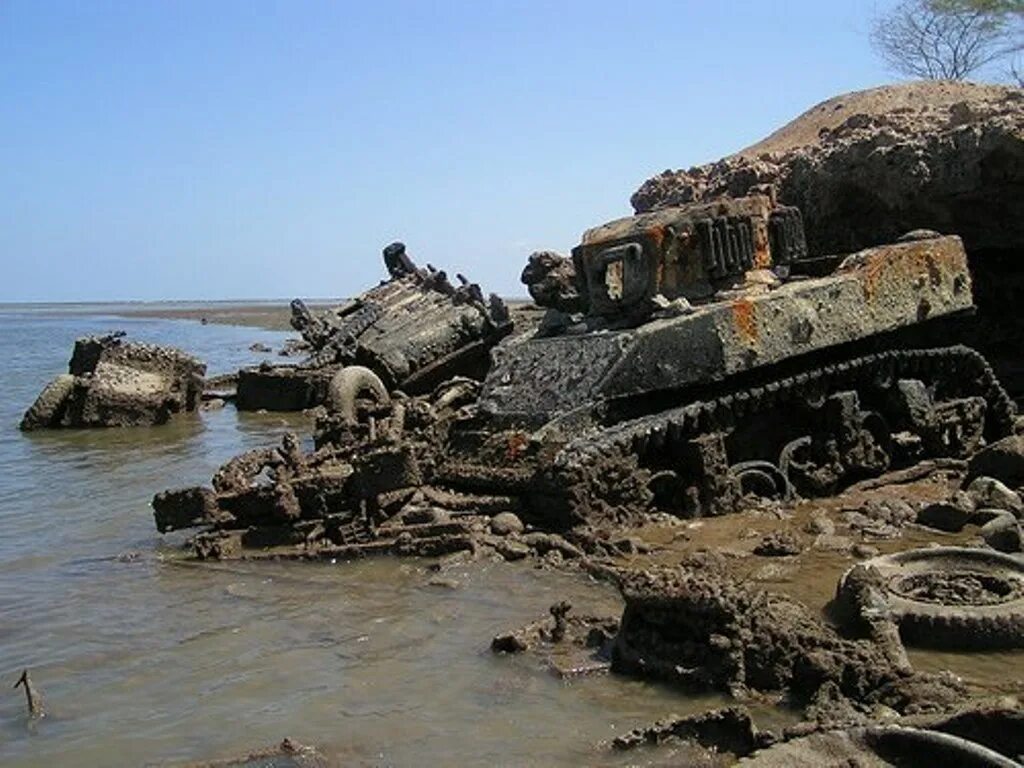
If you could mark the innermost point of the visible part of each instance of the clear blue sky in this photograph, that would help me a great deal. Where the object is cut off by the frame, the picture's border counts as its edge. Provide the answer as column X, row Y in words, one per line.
column 190, row 150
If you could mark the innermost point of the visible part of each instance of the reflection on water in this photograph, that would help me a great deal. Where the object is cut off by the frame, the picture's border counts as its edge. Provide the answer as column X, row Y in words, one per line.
column 144, row 658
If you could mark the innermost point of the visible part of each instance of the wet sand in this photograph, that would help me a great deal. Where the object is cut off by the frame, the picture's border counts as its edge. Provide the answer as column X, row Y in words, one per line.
column 274, row 316
column 271, row 316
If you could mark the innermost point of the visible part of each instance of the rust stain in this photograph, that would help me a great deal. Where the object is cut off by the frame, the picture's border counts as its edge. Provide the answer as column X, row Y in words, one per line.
column 657, row 235
column 762, row 255
column 516, row 445
column 744, row 319
column 933, row 263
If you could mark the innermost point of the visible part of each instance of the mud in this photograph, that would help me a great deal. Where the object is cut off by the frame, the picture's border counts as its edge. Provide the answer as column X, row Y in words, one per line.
column 288, row 754
column 571, row 645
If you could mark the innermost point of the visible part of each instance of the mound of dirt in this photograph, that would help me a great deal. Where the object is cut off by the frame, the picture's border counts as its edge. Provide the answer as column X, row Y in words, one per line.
column 867, row 167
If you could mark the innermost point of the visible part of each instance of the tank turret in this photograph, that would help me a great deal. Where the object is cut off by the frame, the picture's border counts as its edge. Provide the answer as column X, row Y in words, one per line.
column 688, row 253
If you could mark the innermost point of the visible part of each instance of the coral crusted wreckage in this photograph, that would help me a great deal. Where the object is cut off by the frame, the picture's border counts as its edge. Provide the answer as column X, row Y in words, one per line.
column 758, row 407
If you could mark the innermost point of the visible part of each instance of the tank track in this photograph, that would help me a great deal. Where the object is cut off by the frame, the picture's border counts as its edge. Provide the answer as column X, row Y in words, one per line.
column 601, row 474
column 652, row 432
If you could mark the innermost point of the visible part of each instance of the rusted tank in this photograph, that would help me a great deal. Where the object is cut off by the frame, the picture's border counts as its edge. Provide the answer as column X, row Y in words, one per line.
column 699, row 362
column 688, row 359
column 411, row 332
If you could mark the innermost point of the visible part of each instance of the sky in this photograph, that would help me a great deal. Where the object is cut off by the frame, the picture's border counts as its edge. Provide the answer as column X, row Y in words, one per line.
column 154, row 149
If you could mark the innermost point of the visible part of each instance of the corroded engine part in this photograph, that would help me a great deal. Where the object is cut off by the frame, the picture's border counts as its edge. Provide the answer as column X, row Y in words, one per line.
column 365, row 489
column 414, row 330
column 282, row 387
column 552, row 282
column 114, row 383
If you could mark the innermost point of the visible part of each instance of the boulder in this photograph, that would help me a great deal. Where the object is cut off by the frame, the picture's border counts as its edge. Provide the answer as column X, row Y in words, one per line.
column 1003, row 460
column 506, row 523
column 1002, row 533
column 114, row 383
column 950, row 516
column 989, row 493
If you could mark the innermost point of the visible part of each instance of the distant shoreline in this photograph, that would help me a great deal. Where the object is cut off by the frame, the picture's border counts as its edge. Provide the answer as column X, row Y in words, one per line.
column 269, row 317
column 266, row 315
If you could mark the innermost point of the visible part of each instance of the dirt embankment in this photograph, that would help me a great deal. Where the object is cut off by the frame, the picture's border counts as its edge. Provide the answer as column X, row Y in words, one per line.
column 867, row 167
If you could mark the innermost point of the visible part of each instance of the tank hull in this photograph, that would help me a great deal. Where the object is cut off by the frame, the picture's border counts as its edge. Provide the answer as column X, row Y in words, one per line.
column 873, row 292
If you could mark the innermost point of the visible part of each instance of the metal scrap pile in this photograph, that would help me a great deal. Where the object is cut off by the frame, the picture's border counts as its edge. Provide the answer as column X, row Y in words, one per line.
column 413, row 331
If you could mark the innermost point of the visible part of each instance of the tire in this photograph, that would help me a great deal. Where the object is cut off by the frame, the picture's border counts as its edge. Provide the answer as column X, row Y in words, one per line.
column 880, row 745
column 990, row 615
column 48, row 408
column 349, row 385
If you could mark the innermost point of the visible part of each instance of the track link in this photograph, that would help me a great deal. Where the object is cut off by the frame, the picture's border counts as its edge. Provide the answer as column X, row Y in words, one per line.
column 639, row 436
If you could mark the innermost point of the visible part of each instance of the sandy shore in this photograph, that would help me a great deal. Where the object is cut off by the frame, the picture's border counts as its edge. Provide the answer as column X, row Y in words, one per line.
column 270, row 316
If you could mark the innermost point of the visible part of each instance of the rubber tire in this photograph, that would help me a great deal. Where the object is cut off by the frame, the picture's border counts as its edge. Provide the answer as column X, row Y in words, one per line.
column 967, row 627
column 348, row 385
column 897, row 745
column 46, row 411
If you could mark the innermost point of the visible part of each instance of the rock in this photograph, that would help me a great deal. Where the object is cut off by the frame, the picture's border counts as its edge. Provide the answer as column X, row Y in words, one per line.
column 778, row 544
column 418, row 513
column 950, row 516
column 895, row 512
column 989, row 493
column 630, row 545
column 1003, row 460
column 506, row 523
column 114, row 383
column 293, row 347
column 820, row 523
column 258, row 347
column 510, row 642
column 881, row 518
column 983, row 515
column 442, row 581
column 1002, row 533
column 512, row 550
column 544, row 543
column 833, row 543
column 864, row 551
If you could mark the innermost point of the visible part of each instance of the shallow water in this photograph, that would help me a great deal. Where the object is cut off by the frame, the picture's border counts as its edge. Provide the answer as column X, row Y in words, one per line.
column 142, row 658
